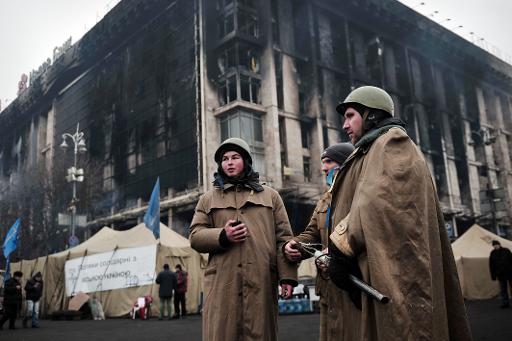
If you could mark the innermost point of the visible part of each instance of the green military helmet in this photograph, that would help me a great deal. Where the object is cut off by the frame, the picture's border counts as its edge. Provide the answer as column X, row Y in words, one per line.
column 237, row 144
column 370, row 97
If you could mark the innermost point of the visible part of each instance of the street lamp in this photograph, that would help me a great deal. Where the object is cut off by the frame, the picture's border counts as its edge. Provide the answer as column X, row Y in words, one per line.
column 74, row 174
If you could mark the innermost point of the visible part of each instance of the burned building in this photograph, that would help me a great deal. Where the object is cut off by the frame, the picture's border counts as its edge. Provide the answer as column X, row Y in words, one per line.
column 157, row 85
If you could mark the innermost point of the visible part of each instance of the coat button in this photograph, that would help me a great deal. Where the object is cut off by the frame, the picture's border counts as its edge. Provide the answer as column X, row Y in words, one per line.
column 239, row 265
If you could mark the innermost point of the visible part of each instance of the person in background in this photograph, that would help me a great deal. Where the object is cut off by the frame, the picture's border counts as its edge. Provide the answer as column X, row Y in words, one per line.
column 317, row 231
column 12, row 299
column 33, row 293
column 500, row 264
column 243, row 226
column 180, row 292
column 167, row 284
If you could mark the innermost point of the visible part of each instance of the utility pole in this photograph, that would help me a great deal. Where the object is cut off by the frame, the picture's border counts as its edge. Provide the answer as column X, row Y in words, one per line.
column 74, row 175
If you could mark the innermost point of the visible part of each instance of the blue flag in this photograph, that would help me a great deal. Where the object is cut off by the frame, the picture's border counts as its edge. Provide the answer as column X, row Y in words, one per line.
column 152, row 216
column 11, row 240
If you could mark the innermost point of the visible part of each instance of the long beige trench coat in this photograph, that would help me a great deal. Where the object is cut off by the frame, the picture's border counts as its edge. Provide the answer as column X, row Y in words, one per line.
column 386, row 213
column 241, row 281
column 318, row 232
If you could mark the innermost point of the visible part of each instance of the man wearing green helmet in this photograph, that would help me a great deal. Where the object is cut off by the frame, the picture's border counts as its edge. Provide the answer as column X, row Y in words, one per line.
column 242, row 225
column 388, row 229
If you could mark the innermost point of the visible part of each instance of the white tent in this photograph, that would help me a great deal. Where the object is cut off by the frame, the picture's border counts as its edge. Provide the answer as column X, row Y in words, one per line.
column 471, row 252
column 172, row 249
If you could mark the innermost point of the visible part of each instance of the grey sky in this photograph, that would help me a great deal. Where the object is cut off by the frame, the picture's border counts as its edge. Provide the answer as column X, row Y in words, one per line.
column 30, row 29
column 487, row 19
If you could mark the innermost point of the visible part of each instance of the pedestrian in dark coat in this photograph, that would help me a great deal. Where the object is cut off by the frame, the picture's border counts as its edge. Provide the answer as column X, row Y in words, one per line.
column 167, row 281
column 12, row 299
column 500, row 263
column 179, row 292
column 33, row 293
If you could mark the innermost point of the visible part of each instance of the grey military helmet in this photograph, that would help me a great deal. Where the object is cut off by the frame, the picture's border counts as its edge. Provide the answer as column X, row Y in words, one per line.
column 370, row 97
column 235, row 144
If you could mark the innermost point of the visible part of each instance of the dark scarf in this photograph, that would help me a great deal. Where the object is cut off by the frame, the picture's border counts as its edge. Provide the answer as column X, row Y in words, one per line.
column 379, row 129
column 249, row 180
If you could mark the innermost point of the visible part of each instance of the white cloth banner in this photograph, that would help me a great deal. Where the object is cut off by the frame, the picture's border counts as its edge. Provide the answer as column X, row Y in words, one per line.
column 122, row 268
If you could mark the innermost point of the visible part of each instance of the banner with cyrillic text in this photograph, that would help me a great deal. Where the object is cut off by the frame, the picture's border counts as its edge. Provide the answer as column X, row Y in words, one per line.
column 122, row 268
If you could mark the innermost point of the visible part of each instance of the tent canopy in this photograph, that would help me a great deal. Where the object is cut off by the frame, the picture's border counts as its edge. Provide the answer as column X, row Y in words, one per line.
column 471, row 252
column 107, row 239
column 172, row 249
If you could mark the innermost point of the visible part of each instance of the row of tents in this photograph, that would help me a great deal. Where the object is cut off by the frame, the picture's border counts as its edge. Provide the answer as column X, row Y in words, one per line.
column 471, row 253
column 171, row 249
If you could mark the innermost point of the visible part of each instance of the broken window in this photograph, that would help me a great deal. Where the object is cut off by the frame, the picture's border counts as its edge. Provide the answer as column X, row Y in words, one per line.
column 357, row 47
column 241, row 56
column 374, row 59
column 390, row 67
column 423, row 85
column 250, row 89
column 279, row 79
column 306, row 164
column 301, row 28
column 275, row 22
column 108, row 174
column 132, row 152
column 240, row 20
column 227, row 90
column 109, row 121
column 305, row 136
column 339, row 43
column 226, row 25
column 227, row 59
column 248, row 23
column 249, row 58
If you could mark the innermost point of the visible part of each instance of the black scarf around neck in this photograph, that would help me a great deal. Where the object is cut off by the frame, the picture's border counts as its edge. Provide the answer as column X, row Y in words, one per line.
column 249, row 180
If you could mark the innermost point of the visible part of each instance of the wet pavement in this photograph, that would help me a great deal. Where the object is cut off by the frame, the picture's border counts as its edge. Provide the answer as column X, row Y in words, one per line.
column 488, row 322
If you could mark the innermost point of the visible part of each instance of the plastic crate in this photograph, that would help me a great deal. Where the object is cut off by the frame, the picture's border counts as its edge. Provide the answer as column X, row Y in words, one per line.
column 295, row 306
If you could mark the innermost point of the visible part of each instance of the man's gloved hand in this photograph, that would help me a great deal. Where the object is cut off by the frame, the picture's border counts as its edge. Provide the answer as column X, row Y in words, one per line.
column 340, row 266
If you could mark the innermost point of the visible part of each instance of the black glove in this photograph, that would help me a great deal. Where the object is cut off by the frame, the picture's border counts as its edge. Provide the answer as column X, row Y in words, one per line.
column 340, row 266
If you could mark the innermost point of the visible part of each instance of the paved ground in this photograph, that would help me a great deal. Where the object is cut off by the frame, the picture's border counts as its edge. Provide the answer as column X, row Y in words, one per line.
column 488, row 322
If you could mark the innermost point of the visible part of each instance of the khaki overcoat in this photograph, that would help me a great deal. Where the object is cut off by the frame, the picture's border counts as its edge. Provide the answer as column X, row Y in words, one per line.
column 330, row 295
column 241, row 281
column 386, row 213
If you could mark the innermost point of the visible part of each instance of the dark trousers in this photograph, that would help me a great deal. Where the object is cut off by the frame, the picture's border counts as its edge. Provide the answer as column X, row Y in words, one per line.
column 179, row 299
column 10, row 313
column 504, row 290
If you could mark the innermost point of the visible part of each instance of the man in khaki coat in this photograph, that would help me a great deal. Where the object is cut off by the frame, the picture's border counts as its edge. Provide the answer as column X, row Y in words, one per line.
column 318, row 231
column 243, row 226
column 389, row 229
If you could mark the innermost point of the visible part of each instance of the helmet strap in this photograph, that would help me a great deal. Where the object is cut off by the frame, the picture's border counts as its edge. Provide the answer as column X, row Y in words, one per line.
column 366, row 124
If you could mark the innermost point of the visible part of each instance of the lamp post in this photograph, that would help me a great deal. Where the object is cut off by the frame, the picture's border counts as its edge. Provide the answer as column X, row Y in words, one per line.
column 74, row 174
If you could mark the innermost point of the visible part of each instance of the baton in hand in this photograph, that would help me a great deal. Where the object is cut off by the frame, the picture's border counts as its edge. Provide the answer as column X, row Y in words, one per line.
column 320, row 257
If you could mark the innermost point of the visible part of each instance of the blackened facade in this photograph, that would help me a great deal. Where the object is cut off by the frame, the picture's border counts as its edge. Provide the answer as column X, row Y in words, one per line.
column 156, row 85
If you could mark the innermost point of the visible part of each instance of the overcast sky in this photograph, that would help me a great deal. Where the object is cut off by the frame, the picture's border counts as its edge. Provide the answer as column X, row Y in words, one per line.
column 30, row 29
